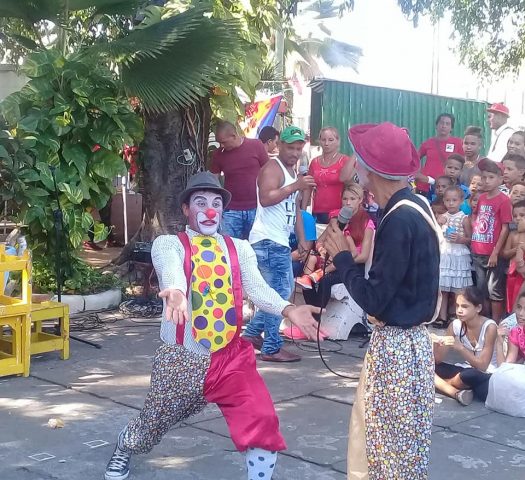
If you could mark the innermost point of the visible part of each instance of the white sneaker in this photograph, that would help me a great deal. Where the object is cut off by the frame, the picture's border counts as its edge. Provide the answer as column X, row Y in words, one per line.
column 118, row 466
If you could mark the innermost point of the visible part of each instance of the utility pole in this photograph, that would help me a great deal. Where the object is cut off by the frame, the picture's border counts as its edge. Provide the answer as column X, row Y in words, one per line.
column 279, row 57
column 434, row 80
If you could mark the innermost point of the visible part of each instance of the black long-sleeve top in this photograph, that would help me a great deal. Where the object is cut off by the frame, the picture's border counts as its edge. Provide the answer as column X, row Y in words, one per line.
column 403, row 282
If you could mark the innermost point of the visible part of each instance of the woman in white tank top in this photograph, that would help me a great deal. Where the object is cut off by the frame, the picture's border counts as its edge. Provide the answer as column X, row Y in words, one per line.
column 473, row 337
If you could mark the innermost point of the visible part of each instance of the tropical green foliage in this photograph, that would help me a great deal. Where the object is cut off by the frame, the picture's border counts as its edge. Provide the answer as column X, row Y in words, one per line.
column 83, row 279
column 171, row 62
column 86, row 57
column 151, row 44
column 227, row 50
column 257, row 19
column 72, row 118
column 152, row 62
column 169, row 59
column 304, row 55
column 328, row 8
column 26, row 25
column 490, row 35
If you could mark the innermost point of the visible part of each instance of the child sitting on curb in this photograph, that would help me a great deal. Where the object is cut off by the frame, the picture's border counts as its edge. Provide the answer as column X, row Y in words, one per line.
column 473, row 337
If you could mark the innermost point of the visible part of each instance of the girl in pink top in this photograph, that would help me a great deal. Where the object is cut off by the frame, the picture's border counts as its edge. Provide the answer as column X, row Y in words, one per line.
column 516, row 345
column 359, row 233
column 331, row 171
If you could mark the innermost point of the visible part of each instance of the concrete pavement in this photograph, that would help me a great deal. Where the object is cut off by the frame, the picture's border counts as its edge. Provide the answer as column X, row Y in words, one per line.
column 97, row 391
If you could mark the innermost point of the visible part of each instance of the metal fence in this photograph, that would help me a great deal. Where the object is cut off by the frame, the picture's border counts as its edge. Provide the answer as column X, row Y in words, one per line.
column 343, row 104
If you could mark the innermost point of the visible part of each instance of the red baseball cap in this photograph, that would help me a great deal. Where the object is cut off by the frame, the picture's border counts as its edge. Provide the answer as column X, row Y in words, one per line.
column 385, row 148
column 499, row 108
column 486, row 165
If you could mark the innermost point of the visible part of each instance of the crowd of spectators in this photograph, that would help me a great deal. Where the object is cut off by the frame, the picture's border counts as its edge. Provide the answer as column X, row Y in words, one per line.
column 478, row 201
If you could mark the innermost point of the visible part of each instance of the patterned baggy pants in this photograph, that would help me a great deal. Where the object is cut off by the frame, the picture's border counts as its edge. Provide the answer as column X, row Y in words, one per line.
column 183, row 383
column 392, row 415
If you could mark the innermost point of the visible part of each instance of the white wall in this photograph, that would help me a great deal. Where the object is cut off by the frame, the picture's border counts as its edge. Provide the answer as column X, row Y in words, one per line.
column 9, row 81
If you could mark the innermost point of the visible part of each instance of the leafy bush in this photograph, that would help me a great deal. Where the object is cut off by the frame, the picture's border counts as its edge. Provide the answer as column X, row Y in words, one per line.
column 72, row 117
column 84, row 279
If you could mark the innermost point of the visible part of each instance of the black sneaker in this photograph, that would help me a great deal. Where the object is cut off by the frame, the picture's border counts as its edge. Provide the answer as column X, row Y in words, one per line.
column 118, row 466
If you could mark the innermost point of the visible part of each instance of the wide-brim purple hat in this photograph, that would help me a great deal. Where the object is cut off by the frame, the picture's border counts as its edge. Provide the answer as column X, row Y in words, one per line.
column 385, row 148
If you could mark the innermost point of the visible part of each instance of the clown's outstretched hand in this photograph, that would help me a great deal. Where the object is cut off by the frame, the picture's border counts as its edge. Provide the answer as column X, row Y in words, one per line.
column 302, row 318
column 176, row 305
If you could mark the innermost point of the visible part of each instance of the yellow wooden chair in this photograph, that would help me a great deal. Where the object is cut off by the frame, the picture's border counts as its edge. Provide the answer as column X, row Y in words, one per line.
column 41, row 341
column 15, row 317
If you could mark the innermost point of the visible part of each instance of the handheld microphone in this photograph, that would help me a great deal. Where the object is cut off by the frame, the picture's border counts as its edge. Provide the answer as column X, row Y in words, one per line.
column 345, row 214
column 303, row 170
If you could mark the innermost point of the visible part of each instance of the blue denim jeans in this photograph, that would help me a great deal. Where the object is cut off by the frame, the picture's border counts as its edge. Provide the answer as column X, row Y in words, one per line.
column 275, row 264
column 238, row 223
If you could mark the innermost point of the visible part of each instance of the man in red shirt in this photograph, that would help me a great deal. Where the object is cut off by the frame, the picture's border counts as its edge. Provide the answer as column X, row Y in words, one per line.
column 436, row 150
column 240, row 160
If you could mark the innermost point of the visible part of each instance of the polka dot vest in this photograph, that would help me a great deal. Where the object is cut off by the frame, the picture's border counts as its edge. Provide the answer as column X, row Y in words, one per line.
column 214, row 322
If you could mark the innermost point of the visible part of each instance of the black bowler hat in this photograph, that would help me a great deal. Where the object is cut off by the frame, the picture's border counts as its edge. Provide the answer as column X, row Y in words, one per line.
column 204, row 181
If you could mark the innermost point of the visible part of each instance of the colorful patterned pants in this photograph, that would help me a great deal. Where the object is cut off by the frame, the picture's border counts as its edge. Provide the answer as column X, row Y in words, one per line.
column 392, row 415
column 183, row 383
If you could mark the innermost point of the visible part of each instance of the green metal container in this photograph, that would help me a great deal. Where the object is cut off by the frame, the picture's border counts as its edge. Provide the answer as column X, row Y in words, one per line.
column 343, row 104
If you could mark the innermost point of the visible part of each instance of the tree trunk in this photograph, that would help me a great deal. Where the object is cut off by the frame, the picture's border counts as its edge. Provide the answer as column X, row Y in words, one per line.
column 165, row 170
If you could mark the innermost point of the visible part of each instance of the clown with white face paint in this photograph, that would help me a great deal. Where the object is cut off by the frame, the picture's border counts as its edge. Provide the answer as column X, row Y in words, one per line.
column 204, row 212
column 202, row 275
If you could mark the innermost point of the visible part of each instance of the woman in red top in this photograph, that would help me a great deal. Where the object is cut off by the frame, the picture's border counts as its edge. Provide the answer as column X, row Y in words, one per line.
column 331, row 171
column 436, row 150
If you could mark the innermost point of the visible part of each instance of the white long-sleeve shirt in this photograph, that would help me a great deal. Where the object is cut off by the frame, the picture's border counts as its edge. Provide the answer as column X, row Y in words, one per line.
column 498, row 146
column 167, row 254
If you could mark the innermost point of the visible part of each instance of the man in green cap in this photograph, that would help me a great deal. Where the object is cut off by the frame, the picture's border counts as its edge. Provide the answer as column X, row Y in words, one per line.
column 278, row 187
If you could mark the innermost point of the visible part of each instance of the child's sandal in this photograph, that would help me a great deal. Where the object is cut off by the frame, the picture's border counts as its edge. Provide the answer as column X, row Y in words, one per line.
column 465, row 397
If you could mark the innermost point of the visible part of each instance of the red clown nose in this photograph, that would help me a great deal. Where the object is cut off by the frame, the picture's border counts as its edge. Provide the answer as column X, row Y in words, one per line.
column 210, row 213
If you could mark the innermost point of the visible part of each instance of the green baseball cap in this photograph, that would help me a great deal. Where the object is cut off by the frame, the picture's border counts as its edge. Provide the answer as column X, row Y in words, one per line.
column 292, row 134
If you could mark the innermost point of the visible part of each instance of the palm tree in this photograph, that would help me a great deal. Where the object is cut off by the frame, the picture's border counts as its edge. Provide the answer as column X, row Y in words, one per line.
column 172, row 74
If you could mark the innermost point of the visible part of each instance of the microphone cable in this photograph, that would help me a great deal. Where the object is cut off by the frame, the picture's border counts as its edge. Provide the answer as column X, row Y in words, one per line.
column 319, row 349
column 303, row 345
column 322, row 290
